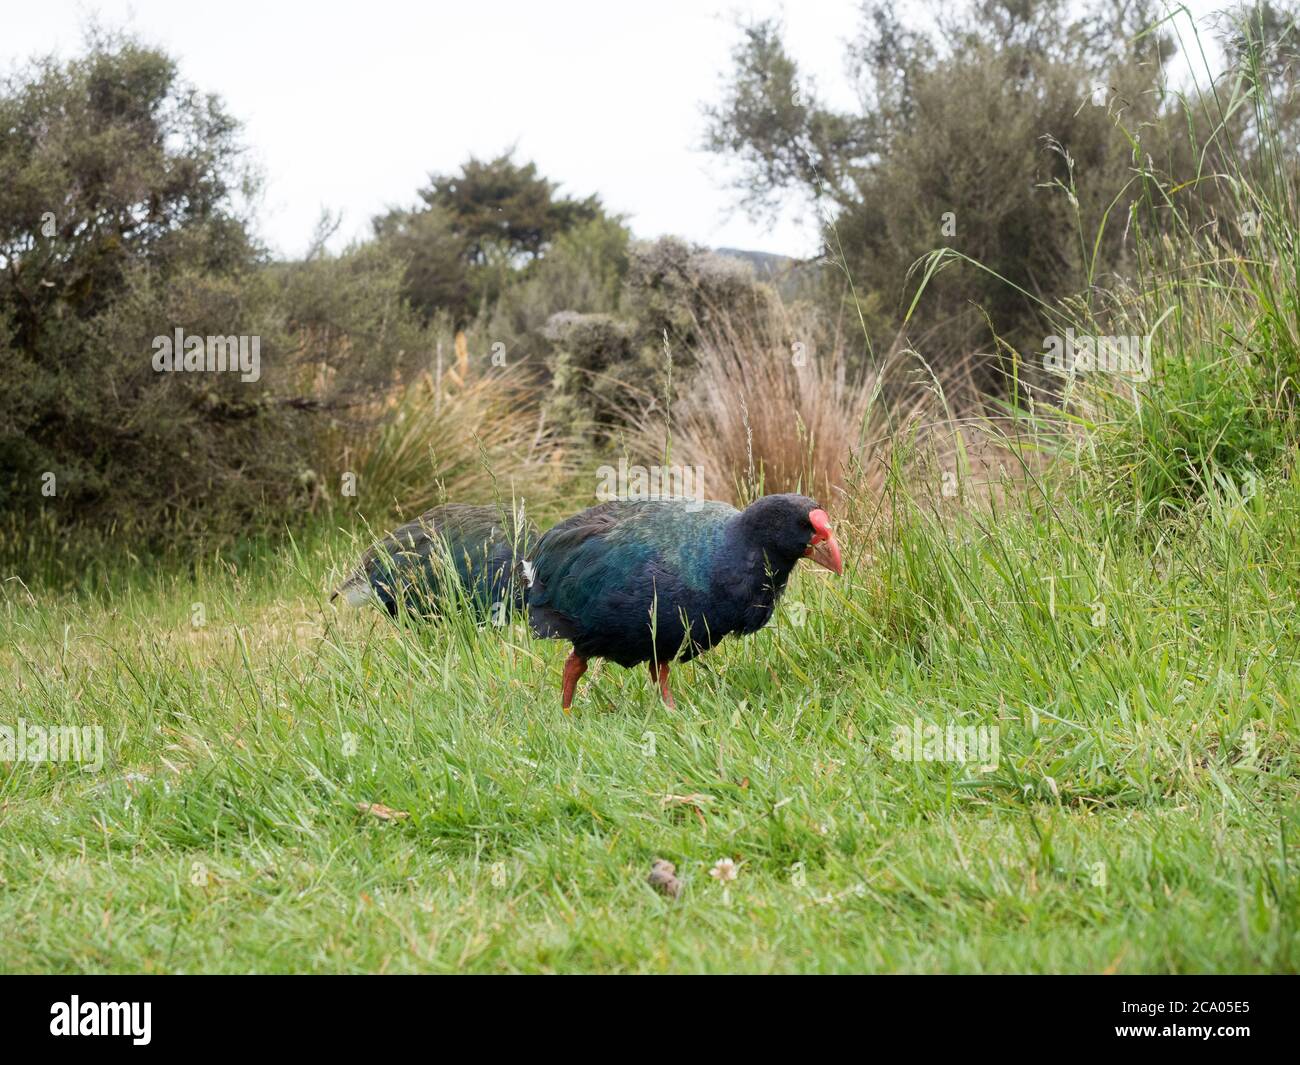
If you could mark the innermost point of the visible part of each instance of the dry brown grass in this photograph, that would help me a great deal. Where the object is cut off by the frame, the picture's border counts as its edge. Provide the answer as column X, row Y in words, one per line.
column 773, row 406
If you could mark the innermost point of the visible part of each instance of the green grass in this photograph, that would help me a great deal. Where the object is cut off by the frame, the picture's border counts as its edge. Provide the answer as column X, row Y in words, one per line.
column 1142, row 816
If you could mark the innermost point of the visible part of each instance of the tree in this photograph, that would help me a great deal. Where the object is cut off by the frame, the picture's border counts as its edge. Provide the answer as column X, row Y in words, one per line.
column 478, row 228
column 994, row 136
column 120, row 220
column 437, row 273
column 108, row 163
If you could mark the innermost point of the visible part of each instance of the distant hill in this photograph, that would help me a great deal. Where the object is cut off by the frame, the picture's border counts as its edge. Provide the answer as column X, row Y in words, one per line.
column 766, row 263
column 790, row 276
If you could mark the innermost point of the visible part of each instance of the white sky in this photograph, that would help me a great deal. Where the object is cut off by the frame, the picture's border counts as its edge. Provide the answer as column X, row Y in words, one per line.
column 350, row 105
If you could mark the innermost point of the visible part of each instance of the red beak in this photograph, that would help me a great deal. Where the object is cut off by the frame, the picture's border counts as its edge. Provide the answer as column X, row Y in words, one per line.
column 824, row 549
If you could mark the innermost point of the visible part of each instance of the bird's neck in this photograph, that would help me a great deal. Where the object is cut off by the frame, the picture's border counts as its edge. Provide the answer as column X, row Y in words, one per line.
column 747, row 575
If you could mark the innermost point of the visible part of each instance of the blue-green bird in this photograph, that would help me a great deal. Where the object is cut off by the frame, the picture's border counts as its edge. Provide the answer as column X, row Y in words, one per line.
column 658, row 581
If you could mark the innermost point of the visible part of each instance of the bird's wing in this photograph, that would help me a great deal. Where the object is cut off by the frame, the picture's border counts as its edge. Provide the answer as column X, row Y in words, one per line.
column 568, row 566
column 610, row 551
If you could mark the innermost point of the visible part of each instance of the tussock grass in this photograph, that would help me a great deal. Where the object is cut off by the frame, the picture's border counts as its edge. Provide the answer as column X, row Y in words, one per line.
column 434, row 444
column 777, row 403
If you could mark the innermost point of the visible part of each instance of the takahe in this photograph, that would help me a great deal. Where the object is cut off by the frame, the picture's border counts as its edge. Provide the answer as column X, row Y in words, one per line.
column 657, row 580
column 455, row 551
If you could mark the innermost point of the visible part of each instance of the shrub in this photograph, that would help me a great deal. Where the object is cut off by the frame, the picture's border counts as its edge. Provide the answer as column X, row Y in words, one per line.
column 1217, row 302
column 672, row 287
column 122, row 197
column 970, row 136
column 119, row 221
column 582, row 272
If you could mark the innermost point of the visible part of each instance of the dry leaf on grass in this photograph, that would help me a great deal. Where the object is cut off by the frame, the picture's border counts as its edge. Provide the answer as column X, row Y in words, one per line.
column 694, row 802
column 663, row 877
column 379, row 810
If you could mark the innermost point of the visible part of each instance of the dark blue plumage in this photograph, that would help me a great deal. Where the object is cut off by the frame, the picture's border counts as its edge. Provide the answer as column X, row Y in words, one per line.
column 454, row 552
column 662, row 580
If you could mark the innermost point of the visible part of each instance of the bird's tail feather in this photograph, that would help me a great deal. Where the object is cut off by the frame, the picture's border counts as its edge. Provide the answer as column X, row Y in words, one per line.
column 356, row 590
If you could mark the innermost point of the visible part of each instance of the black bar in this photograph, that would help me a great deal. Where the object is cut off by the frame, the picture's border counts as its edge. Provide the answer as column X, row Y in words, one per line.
column 222, row 1014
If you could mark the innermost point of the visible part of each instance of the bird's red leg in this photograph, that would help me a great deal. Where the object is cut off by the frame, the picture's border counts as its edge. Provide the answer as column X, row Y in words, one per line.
column 574, row 667
column 660, row 675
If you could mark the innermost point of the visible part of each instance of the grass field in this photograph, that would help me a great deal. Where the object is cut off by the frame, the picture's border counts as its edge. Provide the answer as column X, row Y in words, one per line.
column 1141, row 816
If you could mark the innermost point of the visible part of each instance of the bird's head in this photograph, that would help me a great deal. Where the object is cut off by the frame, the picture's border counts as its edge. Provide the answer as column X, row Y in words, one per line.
column 790, row 527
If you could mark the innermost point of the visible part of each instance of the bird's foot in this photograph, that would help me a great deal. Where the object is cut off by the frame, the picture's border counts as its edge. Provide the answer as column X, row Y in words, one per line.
column 574, row 667
column 659, row 674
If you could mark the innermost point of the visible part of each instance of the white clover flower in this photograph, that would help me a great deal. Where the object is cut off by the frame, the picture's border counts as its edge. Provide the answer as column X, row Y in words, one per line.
column 724, row 870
